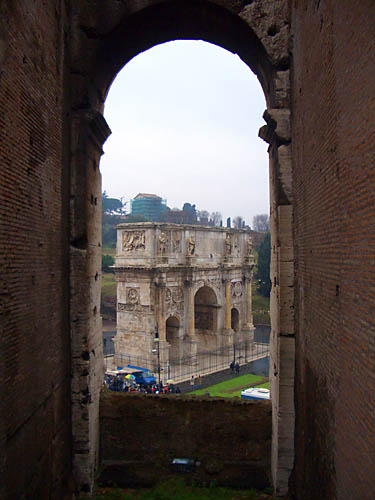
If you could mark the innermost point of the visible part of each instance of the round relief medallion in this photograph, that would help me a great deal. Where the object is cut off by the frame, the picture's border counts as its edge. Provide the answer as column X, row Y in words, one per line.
column 168, row 295
column 133, row 295
column 177, row 295
column 237, row 289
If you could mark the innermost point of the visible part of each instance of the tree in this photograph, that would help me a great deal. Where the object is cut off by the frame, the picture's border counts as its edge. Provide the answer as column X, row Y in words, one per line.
column 238, row 221
column 112, row 209
column 261, row 223
column 191, row 213
column 107, row 261
column 216, row 218
column 264, row 261
column 203, row 216
column 112, row 206
column 135, row 218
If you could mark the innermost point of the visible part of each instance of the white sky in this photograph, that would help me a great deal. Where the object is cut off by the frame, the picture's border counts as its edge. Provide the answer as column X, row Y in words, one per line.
column 184, row 118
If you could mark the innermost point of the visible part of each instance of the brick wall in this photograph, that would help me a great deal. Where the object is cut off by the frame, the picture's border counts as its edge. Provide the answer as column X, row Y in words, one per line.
column 333, row 176
column 140, row 435
column 35, row 378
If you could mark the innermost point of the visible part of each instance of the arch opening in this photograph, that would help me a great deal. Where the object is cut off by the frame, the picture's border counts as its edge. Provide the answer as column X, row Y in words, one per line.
column 205, row 311
column 183, row 20
column 172, row 337
column 235, row 319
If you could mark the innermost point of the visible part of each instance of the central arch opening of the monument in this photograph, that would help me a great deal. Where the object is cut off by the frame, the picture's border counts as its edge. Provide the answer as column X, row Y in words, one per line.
column 205, row 312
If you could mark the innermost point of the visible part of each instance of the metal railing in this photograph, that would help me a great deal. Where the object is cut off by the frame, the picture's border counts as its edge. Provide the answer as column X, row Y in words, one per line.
column 203, row 363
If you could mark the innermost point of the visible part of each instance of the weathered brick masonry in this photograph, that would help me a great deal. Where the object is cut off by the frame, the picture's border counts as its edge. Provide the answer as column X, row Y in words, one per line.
column 57, row 61
column 230, row 438
column 34, row 286
column 333, row 178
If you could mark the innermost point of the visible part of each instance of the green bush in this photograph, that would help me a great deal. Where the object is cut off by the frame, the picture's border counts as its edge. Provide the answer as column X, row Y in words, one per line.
column 107, row 261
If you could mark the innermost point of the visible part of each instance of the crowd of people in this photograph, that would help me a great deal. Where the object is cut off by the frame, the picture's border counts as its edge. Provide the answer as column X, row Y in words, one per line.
column 119, row 383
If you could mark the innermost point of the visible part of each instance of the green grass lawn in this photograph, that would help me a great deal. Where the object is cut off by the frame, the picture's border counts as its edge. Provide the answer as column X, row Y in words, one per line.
column 178, row 490
column 232, row 388
column 109, row 286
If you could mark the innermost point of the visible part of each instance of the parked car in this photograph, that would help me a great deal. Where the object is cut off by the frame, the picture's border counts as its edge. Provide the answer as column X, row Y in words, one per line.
column 143, row 376
column 254, row 393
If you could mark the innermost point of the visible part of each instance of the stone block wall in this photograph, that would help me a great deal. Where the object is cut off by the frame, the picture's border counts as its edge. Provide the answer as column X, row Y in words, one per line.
column 334, row 178
column 35, row 426
column 141, row 434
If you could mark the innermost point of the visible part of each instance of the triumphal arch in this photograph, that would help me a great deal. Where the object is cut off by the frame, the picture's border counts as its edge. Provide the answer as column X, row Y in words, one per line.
column 187, row 286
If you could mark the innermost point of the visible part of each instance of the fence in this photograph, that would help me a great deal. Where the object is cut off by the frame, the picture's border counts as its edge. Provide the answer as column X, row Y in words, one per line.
column 204, row 363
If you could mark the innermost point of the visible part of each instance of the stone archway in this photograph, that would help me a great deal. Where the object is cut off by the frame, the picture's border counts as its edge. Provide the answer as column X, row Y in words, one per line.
column 205, row 311
column 105, row 39
column 172, row 337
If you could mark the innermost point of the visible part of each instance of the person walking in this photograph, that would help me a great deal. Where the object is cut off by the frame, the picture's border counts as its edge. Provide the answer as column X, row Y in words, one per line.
column 237, row 368
column 192, row 381
column 231, row 366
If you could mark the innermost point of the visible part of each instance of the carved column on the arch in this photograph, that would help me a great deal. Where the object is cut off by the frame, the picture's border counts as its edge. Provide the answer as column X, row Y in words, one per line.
column 89, row 131
column 249, row 303
column 191, row 311
column 277, row 133
column 161, row 319
column 228, row 305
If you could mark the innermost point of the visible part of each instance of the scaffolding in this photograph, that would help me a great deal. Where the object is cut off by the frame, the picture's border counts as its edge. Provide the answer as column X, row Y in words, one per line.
column 150, row 206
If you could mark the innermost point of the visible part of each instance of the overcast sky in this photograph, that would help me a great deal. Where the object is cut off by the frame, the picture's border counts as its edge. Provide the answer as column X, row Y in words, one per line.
column 184, row 118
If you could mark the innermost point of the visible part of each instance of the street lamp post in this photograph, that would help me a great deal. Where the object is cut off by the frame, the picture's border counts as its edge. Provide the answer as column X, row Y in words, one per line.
column 158, row 351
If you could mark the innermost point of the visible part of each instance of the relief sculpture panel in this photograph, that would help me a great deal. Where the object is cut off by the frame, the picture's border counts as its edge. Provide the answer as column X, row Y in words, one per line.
column 133, row 240
column 176, row 241
column 132, row 295
column 177, row 295
column 237, row 289
column 174, row 296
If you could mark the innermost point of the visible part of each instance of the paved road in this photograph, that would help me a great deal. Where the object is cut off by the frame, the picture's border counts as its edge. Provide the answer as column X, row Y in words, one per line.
column 108, row 346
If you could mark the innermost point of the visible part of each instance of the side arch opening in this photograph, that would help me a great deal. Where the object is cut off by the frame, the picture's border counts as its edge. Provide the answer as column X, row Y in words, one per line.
column 235, row 319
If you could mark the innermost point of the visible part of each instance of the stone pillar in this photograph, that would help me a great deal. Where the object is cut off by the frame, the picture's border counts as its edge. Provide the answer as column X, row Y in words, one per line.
column 277, row 133
column 249, row 305
column 191, row 318
column 228, row 305
column 89, row 131
column 161, row 315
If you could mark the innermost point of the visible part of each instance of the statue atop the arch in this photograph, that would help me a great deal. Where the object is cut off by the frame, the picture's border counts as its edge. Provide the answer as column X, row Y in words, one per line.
column 249, row 245
column 163, row 242
column 228, row 244
column 191, row 246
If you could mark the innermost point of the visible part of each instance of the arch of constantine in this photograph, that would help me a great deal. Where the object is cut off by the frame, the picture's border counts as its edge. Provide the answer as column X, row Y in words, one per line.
column 188, row 285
